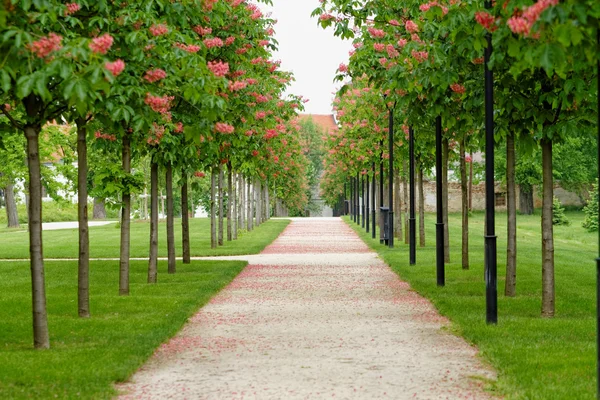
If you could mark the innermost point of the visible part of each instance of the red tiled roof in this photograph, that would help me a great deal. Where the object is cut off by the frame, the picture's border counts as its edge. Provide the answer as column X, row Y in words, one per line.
column 325, row 121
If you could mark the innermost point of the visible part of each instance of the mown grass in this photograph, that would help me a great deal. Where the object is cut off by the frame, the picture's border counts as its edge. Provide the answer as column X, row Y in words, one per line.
column 88, row 355
column 536, row 358
column 104, row 240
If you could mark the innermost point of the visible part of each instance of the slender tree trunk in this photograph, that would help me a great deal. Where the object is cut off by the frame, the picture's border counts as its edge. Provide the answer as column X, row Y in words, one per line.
column 250, row 209
column 125, row 222
column 446, row 154
column 547, row 232
column 397, row 205
column 83, row 276
column 41, row 338
column 153, row 257
column 213, row 209
column 230, row 202
column 12, row 215
column 526, row 200
column 236, row 206
column 185, row 218
column 257, row 190
column 267, row 202
column 471, row 184
column 511, row 208
column 221, row 214
column 421, row 208
column 172, row 266
column 405, row 195
column 162, row 203
column 99, row 209
column 243, row 202
column 464, row 188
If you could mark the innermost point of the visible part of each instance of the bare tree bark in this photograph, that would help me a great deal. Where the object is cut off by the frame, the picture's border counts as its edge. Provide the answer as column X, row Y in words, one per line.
column 242, row 202
column 525, row 200
column 153, row 256
column 471, row 183
column 83, row 268
column 464, row 188
column 267, row 202
column 547, row 231
column 125, row 222
column 172, row 263
column 446, row 156
column 397, row 205
column 12, row 215
column 250, row 200
column 237, row 206
column 41, row 337
column 213, row 209
column 185, row 218
column 510, row 284
column 421, row 207
column 405, row 195
column 221, row 216
column 99, row 209
column 257, row 190
column 230, row 201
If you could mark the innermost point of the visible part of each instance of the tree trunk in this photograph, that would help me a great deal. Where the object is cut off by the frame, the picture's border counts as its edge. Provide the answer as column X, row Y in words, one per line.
column 153, row 257
column 250, row 209
column 221, row 215
column 242, row 202
column 397, row 205
column 185, row 218
column 464, row 188
column 230, row 201
column 83, row 270
column 257, row 190
column 525, row 200
column 267, row 202
column 421, row 208
column 213, row 209
column 125, row 222
column 99, row 209
column 236, row 206
column 471, row 183
column 41, row 338
column 511, row 215
column 405, row 195
column 446, row 154
column 172, row 266
column 12, row 214
column 547, row 232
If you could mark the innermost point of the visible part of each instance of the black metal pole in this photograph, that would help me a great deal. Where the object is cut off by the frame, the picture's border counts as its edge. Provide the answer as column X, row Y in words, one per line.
column 345, row 197
column 354, row 199
column 598, row 259
column 357, row 200
column 373, row 216
column 367, row 196
column 491, row 273
column 391, row 179
column 439, row 226
column 381, row 240
column 412, row 220
column 362, row 200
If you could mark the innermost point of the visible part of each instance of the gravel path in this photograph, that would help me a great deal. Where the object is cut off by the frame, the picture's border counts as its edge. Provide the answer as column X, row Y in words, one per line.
column 316, row 315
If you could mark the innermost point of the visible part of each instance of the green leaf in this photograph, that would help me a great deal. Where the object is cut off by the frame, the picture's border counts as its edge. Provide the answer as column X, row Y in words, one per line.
column 25, row 86
column 5, row 81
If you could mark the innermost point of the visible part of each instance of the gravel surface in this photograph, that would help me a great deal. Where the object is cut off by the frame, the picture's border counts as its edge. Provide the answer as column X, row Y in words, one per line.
column 316, row 315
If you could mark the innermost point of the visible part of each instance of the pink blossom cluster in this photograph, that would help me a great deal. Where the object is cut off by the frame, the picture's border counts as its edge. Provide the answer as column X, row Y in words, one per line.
column 271, row 133
column 200, row 30
column 238, row 73
column 468, row 158
column 478, row 60
column 179, row 127
column 251, row 81
column 402, row 42
column 260, row 115
column 257, row 60
column 391, row 50
column 263, row 43
column 427, row 6
column 486, row 20
column 213, row 42
column 235, row 3
column 190, row 48
column 223, row 127
column 105, row 136
column 458, row 88
column 376, row 33
column 420, row 56
column 155, row 75
column 46, row 45
column 254, row 153
column 411, row 26
column 237, row 85
column 156, row 134
column 158, row 103
column 326, row 17
column 394, row 22
column 343, row 68
column 115, row 67
column 522, row 25
column 7, row 107
column 218, row 68
column 101, row 44
column 255, row 12
column 72, row 8
column 229, row 41
column 159, row 30
column 208, row 4
column 199, row 174
column 379, row 46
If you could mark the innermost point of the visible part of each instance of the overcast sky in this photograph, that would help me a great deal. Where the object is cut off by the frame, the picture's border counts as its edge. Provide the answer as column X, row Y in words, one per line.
column 313, row 54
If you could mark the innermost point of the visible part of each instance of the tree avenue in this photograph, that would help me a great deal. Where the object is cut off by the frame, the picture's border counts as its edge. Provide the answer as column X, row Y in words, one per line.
column 426, row 59
column 189, row 85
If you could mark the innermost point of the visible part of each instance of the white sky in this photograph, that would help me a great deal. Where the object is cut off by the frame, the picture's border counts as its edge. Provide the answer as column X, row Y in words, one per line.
column 313, row 54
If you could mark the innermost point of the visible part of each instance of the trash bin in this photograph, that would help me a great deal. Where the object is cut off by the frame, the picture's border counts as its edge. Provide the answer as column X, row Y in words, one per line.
column 384, row 225
column 346, row 207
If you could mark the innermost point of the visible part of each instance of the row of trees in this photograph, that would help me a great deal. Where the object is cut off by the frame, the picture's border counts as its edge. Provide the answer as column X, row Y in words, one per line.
column 189, row 85
column 423, row 60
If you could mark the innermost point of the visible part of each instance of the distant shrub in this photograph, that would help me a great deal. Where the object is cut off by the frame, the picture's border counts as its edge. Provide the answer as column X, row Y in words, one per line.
column 591, row 210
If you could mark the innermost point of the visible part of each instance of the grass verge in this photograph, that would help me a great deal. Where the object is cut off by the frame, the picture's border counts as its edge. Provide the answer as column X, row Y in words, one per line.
column 88, row 355
column 104, row 240
column 536, row 358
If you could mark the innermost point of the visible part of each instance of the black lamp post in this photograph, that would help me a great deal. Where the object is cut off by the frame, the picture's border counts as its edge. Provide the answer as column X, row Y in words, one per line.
column 598, row 259
column 381, row 222
column 439, row 226
column 373, row 222
column 491, row 273
column 391, row 177
column 357, row 200
column 412, row 220
column 362, row 200
column 367, row 196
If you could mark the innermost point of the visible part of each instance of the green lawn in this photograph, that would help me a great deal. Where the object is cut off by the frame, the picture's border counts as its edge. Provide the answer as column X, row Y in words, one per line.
column 88, row 355
column 536, row 358
column 104, row 240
